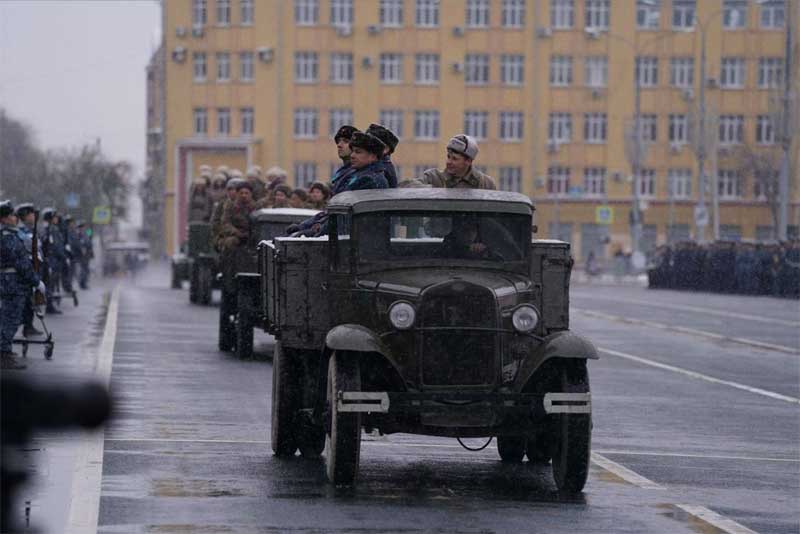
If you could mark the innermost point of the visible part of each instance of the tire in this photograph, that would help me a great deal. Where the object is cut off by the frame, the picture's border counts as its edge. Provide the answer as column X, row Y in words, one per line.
column 311, row 441
column 176, row 281
column 511, row 448
column 244, row 327
column 193, row 281
column 572, row 436
column 284, row 404
column 227, row 331
column 343, row 441
column 204, row 285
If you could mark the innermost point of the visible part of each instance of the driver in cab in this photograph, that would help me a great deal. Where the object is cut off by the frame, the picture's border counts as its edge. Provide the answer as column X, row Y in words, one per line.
column 464, row 242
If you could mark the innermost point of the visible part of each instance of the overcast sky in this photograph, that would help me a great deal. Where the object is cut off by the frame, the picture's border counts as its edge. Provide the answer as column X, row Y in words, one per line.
column 74, row 70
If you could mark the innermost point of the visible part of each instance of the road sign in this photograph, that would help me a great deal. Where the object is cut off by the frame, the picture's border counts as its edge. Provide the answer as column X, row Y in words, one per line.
column 700, row 216
column 72, row 200
column 604, row 215
column 575, row 191
column 101, row 215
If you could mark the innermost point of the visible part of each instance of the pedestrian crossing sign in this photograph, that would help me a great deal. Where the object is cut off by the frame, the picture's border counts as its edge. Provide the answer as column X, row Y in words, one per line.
column 604, row 215
column 101, row 215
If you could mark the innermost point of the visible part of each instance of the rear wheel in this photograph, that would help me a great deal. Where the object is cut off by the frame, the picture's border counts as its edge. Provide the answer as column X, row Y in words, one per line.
column 511, row 449
column 244, row 326
column 204, row 285
column 572, row 438
column 343, row 442
column 193, row 281
column 176, row 280
column 227, row 332
column 285, row 400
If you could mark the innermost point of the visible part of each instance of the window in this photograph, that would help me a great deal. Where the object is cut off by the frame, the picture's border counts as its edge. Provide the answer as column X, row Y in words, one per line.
column 678, row 129
column 200, row 120
column 594, row 127
column 773, row 14
column 306, row 67
column 341, row 67
column 342, row 13
column 734, row 16
column 732, row 73
column 305, row 173
column 681, row 72
column 223, row 121
column 647, row 183
column 477, row 14
column 731, row 129
column 729, row 185
column 562, row 14
column 647, row 71
column 427, row 13
column 391, row 13
column 558, row 181
column 594, row 181
column 680, row 183
column 649, row 126
column 476, row 124
column 427, row 68
column 246, row 66
column 596, row 71
column 513, row 14
column 476, row 69
column 306, row 12
column 246, row 12
column 560, row 128
column 393, row 120
column 512, row 69
column 426, row 125
column 391, row 68
column 199, row 13
column 648, row 14
column 223, row 66
column 683, row 14
column 248, row 121
column 199, row 66
column 510, row 125
column 560, row 71
column 306, row 123
column 223, row 12
column 511, row 179
column 765, row 133
column 597, row 14
column 770, row 72
column 338, row 118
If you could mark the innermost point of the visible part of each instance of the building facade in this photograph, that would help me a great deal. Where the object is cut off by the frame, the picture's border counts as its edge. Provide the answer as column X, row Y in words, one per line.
column 547, row 87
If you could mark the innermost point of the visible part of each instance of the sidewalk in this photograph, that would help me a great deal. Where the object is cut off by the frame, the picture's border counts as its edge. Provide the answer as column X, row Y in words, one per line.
column 580, row 277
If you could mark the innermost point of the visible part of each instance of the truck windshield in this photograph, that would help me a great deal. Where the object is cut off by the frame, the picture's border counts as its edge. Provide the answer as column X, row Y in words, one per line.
column 495, row 237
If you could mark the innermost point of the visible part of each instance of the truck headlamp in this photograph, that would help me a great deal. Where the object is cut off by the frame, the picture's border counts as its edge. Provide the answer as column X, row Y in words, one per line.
column 525, row 318
column 402, row 315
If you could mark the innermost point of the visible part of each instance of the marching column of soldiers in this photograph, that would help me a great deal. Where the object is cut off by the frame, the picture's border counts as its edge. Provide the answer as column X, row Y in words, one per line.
column 729, row 267
column 63, row 250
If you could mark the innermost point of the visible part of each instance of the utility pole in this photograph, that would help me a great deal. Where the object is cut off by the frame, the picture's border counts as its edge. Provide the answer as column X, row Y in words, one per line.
column 786, row 137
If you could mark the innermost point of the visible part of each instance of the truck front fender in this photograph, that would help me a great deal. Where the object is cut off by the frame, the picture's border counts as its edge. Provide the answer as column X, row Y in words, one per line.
column 357, row 338
column 564, row 344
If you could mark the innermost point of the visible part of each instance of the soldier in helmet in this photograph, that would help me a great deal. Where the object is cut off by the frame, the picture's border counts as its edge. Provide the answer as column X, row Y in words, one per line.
column 53, row 253
column 459, row 172
column 87, row 253
column 26, row 217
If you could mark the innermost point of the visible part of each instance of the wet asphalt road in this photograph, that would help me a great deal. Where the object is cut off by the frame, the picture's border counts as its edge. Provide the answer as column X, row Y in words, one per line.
column 705, row 421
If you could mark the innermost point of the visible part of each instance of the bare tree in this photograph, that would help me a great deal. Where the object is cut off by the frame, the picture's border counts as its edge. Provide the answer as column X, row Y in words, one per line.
column 763, row 164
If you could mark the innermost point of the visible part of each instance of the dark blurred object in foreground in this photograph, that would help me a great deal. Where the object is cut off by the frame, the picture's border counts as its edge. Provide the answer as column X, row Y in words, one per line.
column 28, row 408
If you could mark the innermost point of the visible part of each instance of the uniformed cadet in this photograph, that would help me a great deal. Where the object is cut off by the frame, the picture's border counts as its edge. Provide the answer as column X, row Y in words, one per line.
column 391, row 141
column 26, row 217
column 17, row 278
column 75, row 252
column 53, row 253
column 87, row 253
column 219, row 210
column 459, row 172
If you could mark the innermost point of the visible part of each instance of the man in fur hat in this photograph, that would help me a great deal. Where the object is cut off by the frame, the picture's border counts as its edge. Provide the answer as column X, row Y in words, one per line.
column 220, row 209
column 236, row 218
column 343, row 150
column 254, row 177
column 459, row 172
column 389, row 139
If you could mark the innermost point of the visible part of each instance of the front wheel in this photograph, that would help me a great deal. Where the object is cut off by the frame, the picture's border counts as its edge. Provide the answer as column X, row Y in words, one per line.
column 511, row 449
column 284, row 403
column 572, row 437
column 204, row 284
column 176, row 280
column 245, row 326
column 193, row 283
column 343, row 442
column 227, row 332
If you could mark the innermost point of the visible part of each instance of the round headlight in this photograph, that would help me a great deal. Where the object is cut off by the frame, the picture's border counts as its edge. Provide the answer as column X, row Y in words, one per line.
column 525, row 318
column 402, row 315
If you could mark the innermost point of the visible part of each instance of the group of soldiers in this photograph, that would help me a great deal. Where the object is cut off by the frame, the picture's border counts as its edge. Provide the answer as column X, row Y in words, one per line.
column 45, row 259
column 729, row 267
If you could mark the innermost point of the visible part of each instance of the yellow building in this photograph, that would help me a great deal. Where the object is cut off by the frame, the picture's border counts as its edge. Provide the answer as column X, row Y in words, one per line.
column 547, row 86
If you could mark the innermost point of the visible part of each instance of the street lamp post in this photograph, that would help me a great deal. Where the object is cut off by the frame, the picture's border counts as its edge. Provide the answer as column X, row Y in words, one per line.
column 783, row 184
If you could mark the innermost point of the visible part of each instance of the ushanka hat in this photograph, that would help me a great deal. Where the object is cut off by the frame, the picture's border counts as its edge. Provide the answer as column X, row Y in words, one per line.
column 386, row 136
column 464, row 145
column 345, row 132
column 368, row 142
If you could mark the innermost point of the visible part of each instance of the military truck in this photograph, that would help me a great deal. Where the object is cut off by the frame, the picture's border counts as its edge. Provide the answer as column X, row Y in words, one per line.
column 427, row 311
column 240, row 303
column 179, row 264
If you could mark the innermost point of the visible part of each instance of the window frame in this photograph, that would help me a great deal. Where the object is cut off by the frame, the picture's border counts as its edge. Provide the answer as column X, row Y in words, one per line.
column 681, row 72
column 512, row 14
column 590, row 65
column 559, row 127
column 562, row 14
column 476, row 69
column 560, row 68
column 223, row 13
column 390, row 13
column 247, row 121
column 511, row 126
column 597, row 14
column 342, row 71
column 306, row 123
column 247, row 12
column 512, row 69
column 306, row 12
column 224, row 122
column 200, row 121
column 426, row 125
column 595, row 128
column 558, row 181
column 679, row 183
column 512, row 174
column 223, row 60
column 476, row 15
column 426, row 63
column 476, row 124
column 305, row 61
column 247, row 62
column 426, row 13
column 199, row 62
column 393, row 119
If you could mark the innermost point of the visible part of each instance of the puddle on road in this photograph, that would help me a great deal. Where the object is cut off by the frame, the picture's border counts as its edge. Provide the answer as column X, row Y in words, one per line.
column 695, row 523
column 178, row 487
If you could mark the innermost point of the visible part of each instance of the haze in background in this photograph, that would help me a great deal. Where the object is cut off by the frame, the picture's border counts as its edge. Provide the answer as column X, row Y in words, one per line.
column 75, row 72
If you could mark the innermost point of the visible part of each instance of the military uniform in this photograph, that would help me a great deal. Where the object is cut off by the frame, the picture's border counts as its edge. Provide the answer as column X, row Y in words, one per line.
column 474, row 179
column 87, row 253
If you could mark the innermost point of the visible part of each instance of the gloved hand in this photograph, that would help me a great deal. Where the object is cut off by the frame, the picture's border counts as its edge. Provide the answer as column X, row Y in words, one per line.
column 41, row 288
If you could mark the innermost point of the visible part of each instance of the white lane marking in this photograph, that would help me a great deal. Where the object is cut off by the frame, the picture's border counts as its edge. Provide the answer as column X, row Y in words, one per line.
column 700, row 456
column 686, row 330
column 712, row 518
column 624, row 473
column 709, row 311
column 700, row 376
column 84, row 508
column 160, row 440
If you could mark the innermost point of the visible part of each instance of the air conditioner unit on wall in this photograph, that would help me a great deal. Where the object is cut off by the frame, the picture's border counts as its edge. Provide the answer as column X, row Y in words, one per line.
column 181, row 32
column 543, row 32
column 711, row 82
column 688, row 93
column 367, row 62
column 374, row 29
column 344, row 31
column 458, row 31
column 457, row 67
column 179, row 54
column 617, row 177
column 552, row 147
column 197, row 31
column 674, row 147
column 597, row 93
column 265, row 54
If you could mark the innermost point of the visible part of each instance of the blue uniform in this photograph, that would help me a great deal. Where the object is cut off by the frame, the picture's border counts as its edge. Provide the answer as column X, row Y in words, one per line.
column 389, row 171
column 17, row 278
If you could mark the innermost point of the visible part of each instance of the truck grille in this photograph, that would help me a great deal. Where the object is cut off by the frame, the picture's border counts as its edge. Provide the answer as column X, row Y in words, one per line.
column 454, row 352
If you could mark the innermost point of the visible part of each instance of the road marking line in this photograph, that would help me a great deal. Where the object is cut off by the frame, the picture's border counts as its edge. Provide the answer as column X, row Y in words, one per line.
column 700, row 376
column 701, row 456
column 712, row 518
column 686, row 330
column 624, row 473
column 709, row 311
column 84, row 508
column 159, row 440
